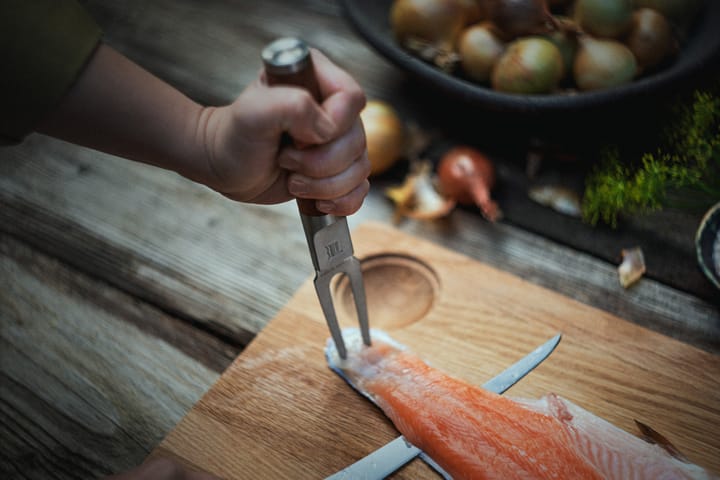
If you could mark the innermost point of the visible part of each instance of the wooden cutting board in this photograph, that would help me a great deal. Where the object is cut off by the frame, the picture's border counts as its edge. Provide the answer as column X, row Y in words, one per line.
column 279, row 412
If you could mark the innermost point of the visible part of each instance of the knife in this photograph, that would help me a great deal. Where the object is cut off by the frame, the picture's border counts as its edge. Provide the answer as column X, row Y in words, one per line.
column 385, row 460
column 287, row 61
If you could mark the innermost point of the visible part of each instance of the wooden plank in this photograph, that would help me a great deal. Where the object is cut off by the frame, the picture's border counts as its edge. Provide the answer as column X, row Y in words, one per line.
column 279, row 412
column 226, row 265
column 86, row 388
column 156, row 235
column 210, row 49
column 188, row 251
column 580, row 276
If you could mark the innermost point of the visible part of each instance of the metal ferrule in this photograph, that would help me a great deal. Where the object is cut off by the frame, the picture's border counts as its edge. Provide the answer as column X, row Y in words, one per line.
column 286, row 55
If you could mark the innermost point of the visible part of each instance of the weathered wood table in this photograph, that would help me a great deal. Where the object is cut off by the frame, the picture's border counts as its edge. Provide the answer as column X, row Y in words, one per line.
column 125, row 290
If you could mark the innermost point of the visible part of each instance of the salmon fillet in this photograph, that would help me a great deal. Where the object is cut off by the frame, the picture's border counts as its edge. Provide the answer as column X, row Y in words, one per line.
column 476, row 434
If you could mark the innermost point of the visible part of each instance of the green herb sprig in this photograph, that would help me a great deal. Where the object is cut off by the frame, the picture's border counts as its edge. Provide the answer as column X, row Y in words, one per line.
column 683, row 174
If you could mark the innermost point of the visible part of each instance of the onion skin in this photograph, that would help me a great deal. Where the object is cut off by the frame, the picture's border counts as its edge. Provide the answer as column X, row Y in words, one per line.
column 473, row 10
column 437, row 22
column 530, row 65
column 651, row 38
column 604, row 18
column 467, row 175
column 479, row 50
column 677, row 11
column 565, row 39
column 384, row 135
column 515, row 18
column 602, row 63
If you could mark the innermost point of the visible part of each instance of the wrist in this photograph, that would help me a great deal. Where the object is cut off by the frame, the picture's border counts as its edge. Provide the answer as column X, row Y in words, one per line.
column 197, row 157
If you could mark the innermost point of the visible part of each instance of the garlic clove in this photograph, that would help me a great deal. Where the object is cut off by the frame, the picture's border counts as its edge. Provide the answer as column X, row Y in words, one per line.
column 632, row 267
column 560, row 199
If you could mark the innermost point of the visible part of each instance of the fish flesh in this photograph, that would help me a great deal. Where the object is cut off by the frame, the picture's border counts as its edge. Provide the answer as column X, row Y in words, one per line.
column 472, row 433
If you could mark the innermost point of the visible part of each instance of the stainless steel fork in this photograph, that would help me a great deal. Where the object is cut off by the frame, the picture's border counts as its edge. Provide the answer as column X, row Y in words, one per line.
column 288, row 61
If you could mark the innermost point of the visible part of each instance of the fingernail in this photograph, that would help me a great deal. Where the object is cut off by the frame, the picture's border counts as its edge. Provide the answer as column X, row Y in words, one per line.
column 288, row 160
column 324, row 127
column 326, row 206
column 297, row 187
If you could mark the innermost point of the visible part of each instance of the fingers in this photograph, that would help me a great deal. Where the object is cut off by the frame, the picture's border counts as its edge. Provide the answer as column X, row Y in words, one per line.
column 293, row 110
column 343, row 99
column 309, row 122
column 347, row 204
column 336, row 171
column 328, row 159
column 332, row 166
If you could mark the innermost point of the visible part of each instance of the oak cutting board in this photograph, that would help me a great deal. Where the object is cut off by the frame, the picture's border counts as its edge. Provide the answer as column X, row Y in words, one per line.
column 279, row 412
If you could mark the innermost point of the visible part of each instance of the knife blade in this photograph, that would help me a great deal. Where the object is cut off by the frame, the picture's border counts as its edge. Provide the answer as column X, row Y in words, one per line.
column 393, row 455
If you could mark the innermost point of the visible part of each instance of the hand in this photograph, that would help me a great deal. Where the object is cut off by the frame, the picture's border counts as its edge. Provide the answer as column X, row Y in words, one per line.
column 119, row 108
column 161, row 469
column 242, row 141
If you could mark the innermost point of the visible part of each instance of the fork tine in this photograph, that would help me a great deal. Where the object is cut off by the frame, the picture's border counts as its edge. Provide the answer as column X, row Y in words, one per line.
column 354, row 273
column 322, row 287
column 351, row 268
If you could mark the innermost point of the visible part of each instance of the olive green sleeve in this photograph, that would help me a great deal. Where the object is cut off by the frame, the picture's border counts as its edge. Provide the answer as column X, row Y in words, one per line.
column 44, row 45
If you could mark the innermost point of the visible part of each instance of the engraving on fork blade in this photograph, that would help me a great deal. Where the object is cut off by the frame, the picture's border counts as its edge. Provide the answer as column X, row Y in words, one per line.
column 333, row 254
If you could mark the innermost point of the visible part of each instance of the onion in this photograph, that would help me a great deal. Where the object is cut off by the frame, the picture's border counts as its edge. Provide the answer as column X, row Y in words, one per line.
column 515, row 18
column 417, row 197
column 467, row 176
column 530, row 65
column 677, row 11
column 602, row 63
column 651, row 38
column 385, row 135
column 473, row 10
column 604, row 18
column 479, row 50
column 437, row 22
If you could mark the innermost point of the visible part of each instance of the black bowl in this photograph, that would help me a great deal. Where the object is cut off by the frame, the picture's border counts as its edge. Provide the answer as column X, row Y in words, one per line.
column 706, row 243
column 699, row 54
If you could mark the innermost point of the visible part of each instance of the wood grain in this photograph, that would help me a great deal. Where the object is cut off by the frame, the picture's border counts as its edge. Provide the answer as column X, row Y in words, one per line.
column 120, row 221
column 85, row 390
column 278, row 411
column 139, row 286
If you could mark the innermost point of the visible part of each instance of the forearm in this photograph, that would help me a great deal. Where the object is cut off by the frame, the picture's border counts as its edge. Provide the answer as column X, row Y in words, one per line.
column 119, row 108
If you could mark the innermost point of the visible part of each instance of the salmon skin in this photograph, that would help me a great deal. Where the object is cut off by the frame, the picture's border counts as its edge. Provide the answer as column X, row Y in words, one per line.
column 471, row 433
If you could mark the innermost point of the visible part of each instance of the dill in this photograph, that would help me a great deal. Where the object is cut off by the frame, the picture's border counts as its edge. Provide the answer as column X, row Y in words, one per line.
column 685, row 173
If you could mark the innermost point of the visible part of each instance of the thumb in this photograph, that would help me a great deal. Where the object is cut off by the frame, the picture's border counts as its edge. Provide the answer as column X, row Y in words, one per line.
column 298, row 114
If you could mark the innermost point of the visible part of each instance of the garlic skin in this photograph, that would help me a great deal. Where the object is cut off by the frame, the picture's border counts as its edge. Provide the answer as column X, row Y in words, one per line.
column 560, row 199
column 632, row 267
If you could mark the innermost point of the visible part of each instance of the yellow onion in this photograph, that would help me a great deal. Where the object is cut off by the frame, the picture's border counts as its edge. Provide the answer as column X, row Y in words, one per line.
column 677, row 11
column 473, row 10
column 437, row 22
column 516, row 18
column 651, row 37
column 604, row 18
column 385, row 135
column 530, row 65
column 603, row 63
column 479, row 50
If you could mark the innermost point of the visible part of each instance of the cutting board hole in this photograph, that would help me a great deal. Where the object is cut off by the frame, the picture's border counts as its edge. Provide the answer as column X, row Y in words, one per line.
column 400, row 290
